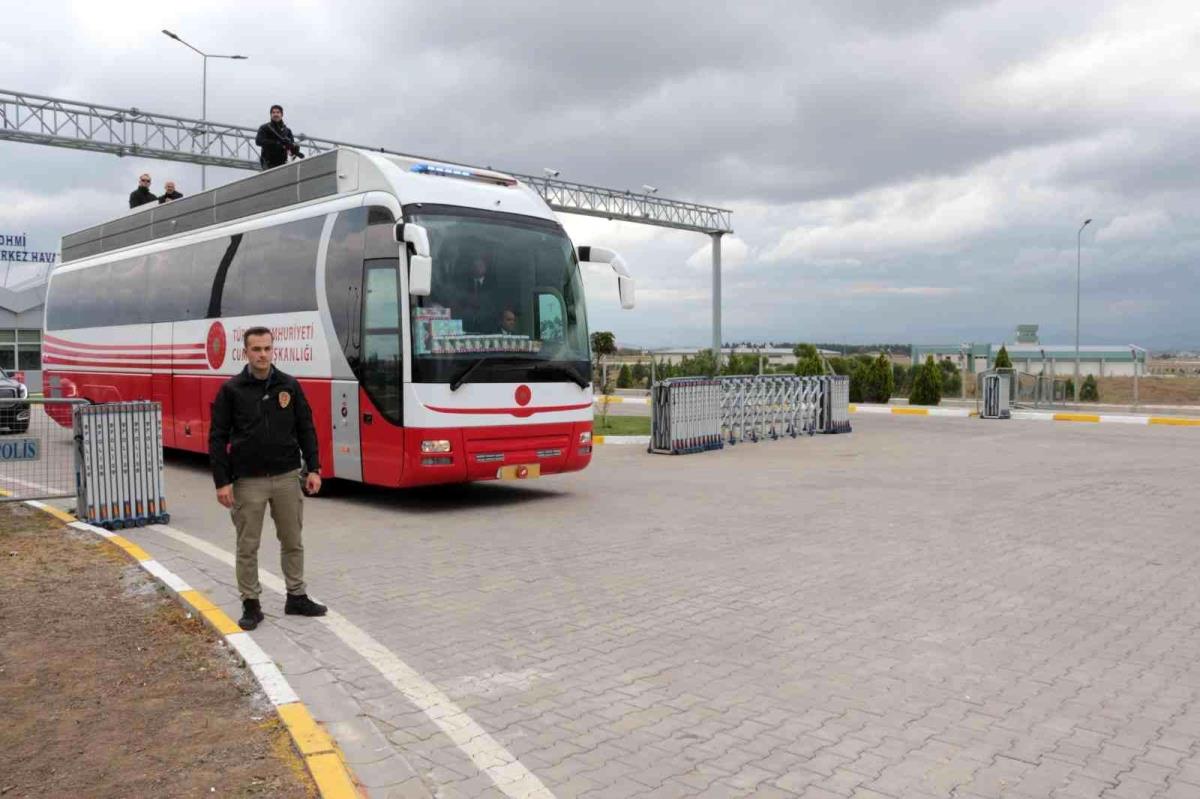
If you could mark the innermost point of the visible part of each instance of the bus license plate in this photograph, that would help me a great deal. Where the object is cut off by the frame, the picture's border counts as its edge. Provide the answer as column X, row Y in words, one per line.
column 519, row 471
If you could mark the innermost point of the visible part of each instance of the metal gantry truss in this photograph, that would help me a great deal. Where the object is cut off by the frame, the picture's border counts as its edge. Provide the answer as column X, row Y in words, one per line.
column 56, row 122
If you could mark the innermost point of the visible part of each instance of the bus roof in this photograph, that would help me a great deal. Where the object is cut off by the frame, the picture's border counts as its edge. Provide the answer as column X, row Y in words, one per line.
column 339, row 172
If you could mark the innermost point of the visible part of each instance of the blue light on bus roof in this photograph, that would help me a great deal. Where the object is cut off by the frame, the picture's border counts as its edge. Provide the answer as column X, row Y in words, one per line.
column 458, row 172
column 436, row 169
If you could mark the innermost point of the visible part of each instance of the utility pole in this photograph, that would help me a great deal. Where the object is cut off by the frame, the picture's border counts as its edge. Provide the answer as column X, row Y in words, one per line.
column 203, row 94
column 1078, row 261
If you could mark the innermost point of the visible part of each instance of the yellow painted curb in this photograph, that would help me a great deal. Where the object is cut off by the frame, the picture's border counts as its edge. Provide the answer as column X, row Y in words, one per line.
column 910, row 411
column 221, row 621
column 332, row 776
column 310, row 738
column 61, row 515
column 197, row 600
column 853, row 409
column 1076, row 417
column 597, row 439
column 135, row 552
column 1177, row 421
column 610, row 399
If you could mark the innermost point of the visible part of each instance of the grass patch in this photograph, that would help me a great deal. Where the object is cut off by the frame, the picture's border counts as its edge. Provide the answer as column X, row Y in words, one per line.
column 621, row 426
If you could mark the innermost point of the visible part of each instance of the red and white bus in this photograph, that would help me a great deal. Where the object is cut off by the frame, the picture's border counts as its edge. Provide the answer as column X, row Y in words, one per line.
column 434, row 314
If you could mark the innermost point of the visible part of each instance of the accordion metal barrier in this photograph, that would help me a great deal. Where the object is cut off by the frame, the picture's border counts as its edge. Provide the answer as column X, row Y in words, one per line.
column 698, row 414
column 995, row 396
column 685, row 415
column 119, row 465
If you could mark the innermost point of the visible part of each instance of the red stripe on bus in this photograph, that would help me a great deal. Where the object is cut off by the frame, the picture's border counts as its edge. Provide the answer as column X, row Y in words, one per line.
column 518, row 412
column 126, row 356
column 153, row 347
column 121, row 364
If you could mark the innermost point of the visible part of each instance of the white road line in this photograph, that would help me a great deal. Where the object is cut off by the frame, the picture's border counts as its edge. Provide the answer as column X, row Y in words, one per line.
column 44, row 488
column 489, row 756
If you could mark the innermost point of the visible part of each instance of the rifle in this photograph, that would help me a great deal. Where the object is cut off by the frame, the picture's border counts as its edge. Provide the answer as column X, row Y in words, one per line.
column 289, row 145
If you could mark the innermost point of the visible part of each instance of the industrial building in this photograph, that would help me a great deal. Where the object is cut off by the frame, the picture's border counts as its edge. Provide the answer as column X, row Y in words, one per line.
column 1030, row 355
column 21, row 311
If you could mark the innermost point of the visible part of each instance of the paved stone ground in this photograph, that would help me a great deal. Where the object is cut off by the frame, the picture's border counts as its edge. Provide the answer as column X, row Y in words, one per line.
column 924, row 608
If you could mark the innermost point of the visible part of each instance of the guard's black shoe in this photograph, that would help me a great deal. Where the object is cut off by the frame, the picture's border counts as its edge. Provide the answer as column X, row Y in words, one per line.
column 301, row 605
column 251, row 614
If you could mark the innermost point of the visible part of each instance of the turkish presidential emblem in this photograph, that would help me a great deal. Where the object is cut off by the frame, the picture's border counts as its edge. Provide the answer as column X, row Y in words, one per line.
column 285, row 399
column 215, row 345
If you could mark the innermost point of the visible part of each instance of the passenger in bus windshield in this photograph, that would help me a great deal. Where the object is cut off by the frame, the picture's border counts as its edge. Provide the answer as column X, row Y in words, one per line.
column 508, row 321
column 474, row 298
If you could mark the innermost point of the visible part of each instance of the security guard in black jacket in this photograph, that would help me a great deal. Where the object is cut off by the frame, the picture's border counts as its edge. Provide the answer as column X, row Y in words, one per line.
column 261, row 424
column 276, row 141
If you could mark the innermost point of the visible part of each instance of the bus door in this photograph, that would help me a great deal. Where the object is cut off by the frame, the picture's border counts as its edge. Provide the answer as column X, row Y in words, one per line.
column 161, row 339
column 380, row 374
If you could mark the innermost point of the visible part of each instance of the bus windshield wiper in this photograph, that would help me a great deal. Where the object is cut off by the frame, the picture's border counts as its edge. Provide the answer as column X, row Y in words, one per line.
column 565, row 370
column 497, row 362
column 520, row 363
column 457, row 382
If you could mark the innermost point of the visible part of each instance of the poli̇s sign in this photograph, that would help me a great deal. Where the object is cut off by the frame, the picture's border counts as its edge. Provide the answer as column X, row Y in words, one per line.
column 20, row 449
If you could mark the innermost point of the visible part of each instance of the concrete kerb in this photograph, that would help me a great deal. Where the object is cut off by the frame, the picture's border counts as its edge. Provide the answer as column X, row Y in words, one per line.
column 322, row 757
column 643, row 440
column 1038, row 416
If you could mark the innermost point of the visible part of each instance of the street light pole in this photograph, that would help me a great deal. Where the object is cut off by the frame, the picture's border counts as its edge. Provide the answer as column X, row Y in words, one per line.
column 1078, row 262
column 203, row 93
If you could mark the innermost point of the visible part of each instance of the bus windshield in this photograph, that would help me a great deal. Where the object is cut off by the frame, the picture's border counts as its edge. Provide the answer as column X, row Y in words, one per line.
column 507, row 301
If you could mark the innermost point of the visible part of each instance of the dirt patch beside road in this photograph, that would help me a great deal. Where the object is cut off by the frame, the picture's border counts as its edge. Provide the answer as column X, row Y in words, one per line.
column 109, row 689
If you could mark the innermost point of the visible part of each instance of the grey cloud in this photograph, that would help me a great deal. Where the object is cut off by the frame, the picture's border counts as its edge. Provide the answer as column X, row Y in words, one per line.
column 768, row 107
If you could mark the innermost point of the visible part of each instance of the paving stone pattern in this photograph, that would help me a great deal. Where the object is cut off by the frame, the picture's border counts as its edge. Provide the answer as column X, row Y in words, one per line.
column 924, row 608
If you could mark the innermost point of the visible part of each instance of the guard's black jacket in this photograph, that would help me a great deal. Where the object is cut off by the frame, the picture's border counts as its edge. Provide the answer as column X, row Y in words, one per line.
column 140, row 196
column 276, row 141
column 260, row 428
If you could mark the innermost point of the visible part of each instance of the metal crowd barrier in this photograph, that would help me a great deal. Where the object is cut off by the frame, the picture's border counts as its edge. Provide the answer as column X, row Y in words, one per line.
column 685, row 415
column 837, row 404
column 37, row 459
column 119, row 464
column 995, row 396
column 697, row 414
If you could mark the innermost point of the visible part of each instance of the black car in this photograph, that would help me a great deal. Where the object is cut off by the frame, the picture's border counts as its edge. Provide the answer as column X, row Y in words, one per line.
column 14, row 416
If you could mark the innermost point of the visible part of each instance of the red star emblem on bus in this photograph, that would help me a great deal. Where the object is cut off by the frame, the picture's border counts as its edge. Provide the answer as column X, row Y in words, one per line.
column 214, row 345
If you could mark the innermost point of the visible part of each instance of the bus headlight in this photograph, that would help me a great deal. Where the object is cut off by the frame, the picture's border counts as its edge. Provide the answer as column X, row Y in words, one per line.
column 585, row 437
column 435, row 445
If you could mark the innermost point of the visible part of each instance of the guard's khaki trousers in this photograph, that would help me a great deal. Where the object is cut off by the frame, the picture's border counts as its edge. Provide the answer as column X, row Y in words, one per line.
column 251, row 495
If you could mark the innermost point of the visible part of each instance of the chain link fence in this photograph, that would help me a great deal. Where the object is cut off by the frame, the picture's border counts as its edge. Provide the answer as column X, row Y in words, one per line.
column 37, row 448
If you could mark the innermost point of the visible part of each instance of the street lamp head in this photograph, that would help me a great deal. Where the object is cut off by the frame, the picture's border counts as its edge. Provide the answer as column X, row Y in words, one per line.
column 168, row 33
column 240, row 57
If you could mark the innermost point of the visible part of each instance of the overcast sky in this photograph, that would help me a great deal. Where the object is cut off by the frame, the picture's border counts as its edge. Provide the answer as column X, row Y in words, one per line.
column 902, row 171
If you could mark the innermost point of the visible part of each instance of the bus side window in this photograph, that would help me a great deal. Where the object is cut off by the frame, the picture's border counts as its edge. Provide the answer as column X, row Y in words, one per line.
column 381, row 369
column 343, row 280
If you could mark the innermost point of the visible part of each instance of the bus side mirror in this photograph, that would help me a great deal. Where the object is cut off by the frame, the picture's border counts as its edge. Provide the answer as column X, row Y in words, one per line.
column 420, row 265
column 625, row 283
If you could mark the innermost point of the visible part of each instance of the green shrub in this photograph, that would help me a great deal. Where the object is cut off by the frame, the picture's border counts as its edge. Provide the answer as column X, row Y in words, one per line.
column 625, row 377
column 877, row 380
column 1002, row 359
column 927, row 384
column 1089, row 391
column 951, row 376
column 808, row 360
